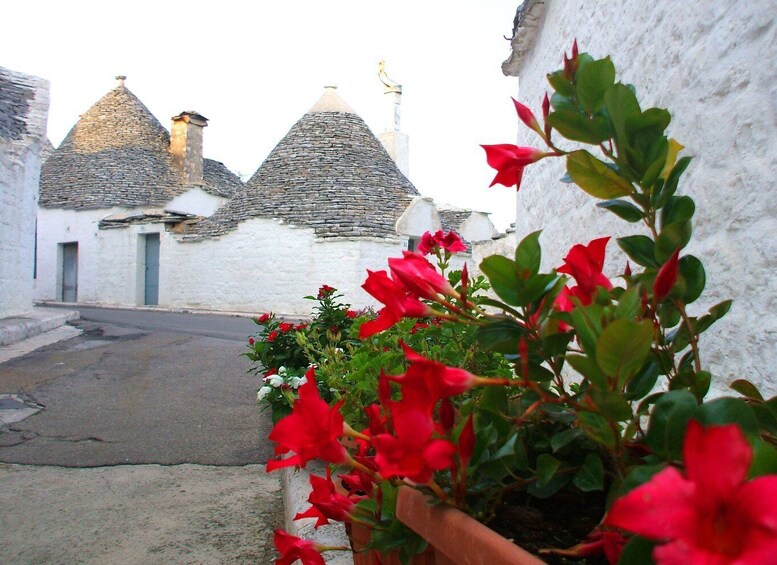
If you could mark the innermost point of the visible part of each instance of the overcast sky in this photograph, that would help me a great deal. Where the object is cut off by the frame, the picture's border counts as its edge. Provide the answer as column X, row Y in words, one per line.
column 254, row 68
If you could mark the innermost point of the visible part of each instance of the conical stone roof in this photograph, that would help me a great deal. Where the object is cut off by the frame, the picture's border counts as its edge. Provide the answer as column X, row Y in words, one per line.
column 117, row 155
column 329, row 173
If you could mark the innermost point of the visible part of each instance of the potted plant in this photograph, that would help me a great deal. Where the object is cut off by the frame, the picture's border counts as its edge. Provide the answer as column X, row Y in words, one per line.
column 605, row 408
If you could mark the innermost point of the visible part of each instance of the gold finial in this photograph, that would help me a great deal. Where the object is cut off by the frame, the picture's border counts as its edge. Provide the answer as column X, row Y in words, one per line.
column 391, row 86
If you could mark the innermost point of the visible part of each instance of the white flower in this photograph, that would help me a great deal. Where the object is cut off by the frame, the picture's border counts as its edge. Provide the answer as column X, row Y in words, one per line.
column 296, row 382
column 262, row 392
column 281, row 370
column 338, row 349
column 274, row 380
column 303, row 381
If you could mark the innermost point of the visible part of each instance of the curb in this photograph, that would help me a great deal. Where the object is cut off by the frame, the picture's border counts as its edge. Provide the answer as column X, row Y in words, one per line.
column 204, row 311
column 37, row 321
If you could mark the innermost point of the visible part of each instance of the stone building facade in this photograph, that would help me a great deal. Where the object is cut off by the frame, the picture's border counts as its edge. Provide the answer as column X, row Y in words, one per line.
column 24, row 107
column 714, row 66
column 131, row 214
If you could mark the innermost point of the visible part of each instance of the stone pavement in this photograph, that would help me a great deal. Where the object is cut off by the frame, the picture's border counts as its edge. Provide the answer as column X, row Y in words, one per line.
column 39, row 320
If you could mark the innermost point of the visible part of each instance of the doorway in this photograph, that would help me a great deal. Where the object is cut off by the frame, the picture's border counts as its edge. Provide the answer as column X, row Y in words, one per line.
column 69, row 272
column 151, row 280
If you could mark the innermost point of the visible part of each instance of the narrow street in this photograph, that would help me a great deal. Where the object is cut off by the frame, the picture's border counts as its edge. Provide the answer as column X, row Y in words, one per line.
column 148, row 446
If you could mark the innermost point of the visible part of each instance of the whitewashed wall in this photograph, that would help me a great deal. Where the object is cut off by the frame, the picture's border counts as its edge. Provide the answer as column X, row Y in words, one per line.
column 20, row 162
column 109, row 261
column 266, row 266
column 196, row 201
column 714, row 66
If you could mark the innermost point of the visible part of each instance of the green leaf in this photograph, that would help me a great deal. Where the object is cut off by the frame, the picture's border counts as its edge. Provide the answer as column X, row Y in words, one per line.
column 592, row 82
column 623, row 209
column 640, row 249
column 590, row 477
column 502, row 336
column 588, row 325
column 746, row 389
column 597, row 427
column 638, row 550
column 678, row 209
column 528, row 254
column 666, row 429
column 643, row 382
column 502, row 273
column 671, row 237
column 564, row 438
column 622, row 105
column 547, row 465
column 670, row 186
column 629, row 304
column 587, row 367
column 612, row 405
column 560, row 84
column 577, row 127
column 595, row 177
column 764, row 459
column 622, row 348
column 692, row 277
column 729, row 411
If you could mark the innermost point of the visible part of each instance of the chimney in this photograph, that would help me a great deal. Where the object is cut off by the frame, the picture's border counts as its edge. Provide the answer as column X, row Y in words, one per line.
column 186, row 145
column 394, row 141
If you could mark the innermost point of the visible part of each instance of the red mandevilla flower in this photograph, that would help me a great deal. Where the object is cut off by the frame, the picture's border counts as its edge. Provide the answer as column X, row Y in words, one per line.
column 325, row 291
column 412, row 451
column 666, row 278
column 285, row 327
column 292, row 548
column 398, row 301
column 712, row 515
column 509, row 162
column 311, row 431
column 419, row 276
column 449, row 242
column 427, row 244
column 263, row 318
column 351, row 314
column 426, row 381
column 527, row 117
column 251, row 341
column 327, row 503
column 584, row 263
column 272, row 336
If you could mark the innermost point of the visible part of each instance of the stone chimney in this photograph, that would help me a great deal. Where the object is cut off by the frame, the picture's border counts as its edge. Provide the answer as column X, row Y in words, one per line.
column 186, row 145
column 394, row 141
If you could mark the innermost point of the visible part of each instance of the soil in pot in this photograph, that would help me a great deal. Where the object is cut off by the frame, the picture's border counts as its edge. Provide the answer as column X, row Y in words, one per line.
column 559, row 522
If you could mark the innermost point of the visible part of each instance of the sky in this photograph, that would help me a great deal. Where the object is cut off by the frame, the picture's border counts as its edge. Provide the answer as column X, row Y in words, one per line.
column 253, row 68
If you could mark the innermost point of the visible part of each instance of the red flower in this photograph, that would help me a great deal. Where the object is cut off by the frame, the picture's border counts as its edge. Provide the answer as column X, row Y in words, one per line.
column 325, row 291
column 351, row 314
column 712, row 515
column 584, row 263
column 450, row 242
column 326, row 503
column 300, row 327
column 509, row 162
column 419, row 276
column 527, row 117
column 666, row 277
column 412, row 452
column 263, row 318
column 427, row 243
column 311, row 431
column 251, row 341
column 285, row 327
column 292, row 548
column 272, row 371
column 466, row 443
column 397, row 300
column 427, row 381
column 272, row 336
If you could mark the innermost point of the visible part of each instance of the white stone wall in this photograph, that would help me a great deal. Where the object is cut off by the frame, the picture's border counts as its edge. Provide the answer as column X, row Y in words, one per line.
column 266, row 266
column 196, row 201
column 20, row 162
column 714, row 66
column 109, row 261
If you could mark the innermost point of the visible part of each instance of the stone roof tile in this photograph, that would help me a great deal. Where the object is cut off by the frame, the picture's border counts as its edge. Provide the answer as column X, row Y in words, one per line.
column 117, row 155
column 329, row 173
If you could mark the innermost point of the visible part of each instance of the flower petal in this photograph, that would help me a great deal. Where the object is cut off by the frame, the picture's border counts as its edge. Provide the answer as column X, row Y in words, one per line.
column 716, row 457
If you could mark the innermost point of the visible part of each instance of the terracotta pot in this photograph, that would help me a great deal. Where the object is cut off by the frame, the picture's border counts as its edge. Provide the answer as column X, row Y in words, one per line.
column 360, row 537
column 457, row 539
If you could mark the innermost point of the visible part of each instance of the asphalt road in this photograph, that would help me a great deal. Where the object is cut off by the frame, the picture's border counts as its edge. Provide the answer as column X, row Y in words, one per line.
column 138, row 388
